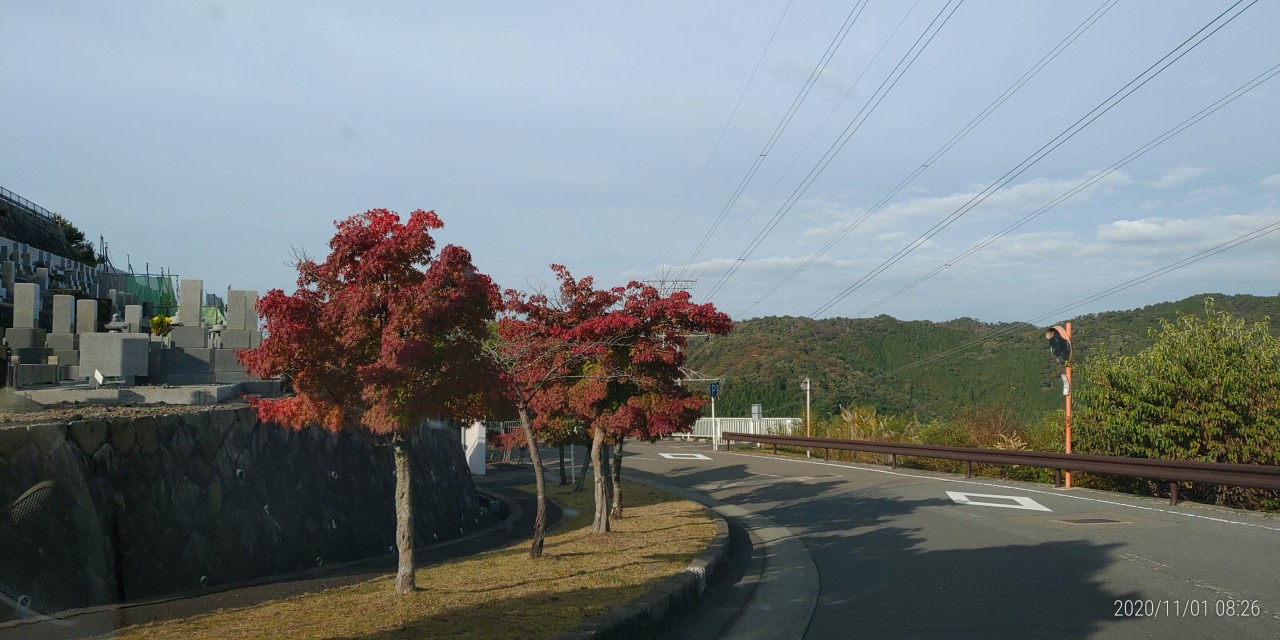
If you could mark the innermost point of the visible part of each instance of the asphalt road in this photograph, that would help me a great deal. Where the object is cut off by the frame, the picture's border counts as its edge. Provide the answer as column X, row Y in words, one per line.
column 913, row 554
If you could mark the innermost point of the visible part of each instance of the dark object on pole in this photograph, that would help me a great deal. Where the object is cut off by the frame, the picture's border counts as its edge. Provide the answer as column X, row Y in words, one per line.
column 1059, row 343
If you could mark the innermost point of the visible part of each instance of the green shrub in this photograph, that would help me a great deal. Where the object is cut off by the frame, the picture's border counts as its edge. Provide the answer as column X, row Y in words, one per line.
column 1208, row 389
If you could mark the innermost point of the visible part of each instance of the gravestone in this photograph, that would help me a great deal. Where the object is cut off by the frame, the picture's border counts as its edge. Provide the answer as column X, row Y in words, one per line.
column 189, row 337
column 64, row 314
column 26, row 305
column 189, row 302
column 117, row 300
column 25, row 337
column 242, row 309
column 242, row 320
column 116, row 355
column 86, row 316
column 133, row 316
column 8, row 270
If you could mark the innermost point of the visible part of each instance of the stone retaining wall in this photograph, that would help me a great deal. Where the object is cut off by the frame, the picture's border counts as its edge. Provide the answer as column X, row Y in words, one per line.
column 95, row 511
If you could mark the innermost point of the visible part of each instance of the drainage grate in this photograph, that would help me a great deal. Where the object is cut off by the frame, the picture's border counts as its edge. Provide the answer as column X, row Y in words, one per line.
column 1092, row 521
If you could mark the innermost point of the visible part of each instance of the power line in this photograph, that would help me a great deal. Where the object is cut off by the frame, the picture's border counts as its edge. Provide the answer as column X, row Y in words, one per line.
column 884, row 45
column 941, row 151
column 716, row 147
column 1079, row 125
column 832, row 47
column 854, row 125
column 1128, row 284
column 1140, row 151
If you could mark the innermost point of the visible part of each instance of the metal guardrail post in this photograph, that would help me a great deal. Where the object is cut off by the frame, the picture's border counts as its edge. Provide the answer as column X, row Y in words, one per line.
column 1173, row 494
column 968, row 468
column 893, row 461
column 1257, row 476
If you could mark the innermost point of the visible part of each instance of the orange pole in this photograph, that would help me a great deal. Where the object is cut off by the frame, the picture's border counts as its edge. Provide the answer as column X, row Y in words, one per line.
column 1067, row 475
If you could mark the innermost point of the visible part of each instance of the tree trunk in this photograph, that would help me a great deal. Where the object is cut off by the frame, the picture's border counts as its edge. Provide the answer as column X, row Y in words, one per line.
column 405, row 583
column 539, row 478
column 582, row 477
column 563, row 480
column 602, row 493
column 616, row 471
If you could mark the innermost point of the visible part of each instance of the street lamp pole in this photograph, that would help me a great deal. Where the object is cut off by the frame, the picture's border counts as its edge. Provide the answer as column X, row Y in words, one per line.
column 715, row 426
column 713, row 390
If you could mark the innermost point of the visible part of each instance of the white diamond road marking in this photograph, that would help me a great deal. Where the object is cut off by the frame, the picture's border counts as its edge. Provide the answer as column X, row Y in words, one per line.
column 1022, row 502
column 684, row 456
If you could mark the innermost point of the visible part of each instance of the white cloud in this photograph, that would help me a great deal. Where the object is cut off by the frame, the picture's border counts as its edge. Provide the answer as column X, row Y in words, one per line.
column 1208, row 193
column 1161, row 234
column 1020, row 198
column 893, row 236
column 760, row 267
column 1175, row 177
column 1271, row 182
column 1036, row 246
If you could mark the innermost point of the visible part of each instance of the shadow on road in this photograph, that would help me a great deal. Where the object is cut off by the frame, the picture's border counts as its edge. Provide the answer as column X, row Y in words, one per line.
column 899, row 567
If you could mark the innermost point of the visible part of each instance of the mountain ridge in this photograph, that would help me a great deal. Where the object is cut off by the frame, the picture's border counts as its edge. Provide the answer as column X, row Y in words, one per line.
column 860, row 361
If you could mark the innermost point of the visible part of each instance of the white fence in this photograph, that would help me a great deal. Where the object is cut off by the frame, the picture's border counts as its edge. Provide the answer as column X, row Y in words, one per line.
column 705, row 428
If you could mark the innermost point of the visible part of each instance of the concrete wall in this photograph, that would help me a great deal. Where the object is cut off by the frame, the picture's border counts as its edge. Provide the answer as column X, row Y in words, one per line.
column 150, row 506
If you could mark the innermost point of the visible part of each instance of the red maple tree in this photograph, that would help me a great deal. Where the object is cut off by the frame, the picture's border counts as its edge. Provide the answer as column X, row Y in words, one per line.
column 540, row 346
column 628, row 387
column 382, row 335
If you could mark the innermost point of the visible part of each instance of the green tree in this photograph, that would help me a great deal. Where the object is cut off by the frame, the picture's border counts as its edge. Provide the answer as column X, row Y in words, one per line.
column 1207, row 389
column 76, row 238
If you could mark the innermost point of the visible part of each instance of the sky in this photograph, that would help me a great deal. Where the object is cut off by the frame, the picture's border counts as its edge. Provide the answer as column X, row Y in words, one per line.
column 213, row 139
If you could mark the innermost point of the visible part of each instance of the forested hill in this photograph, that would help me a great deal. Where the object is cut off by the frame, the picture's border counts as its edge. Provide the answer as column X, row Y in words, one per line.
column 764, row 360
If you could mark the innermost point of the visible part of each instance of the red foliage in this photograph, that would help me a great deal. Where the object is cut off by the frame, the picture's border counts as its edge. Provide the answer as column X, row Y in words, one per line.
column 510, row 441
column 382, row 331
column 617, row 355
column 541, row 346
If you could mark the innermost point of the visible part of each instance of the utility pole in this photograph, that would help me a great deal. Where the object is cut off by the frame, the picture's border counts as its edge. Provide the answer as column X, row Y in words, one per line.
column 808, row 421
column 1060, row 346
column 667, row 286
column 1066, row 391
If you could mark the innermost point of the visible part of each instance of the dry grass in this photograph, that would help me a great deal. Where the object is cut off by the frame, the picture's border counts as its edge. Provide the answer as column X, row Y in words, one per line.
column 501, row 594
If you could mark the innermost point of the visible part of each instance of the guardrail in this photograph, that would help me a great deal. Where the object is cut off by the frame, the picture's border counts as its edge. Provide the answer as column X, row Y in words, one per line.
column 1256, row 476
column 24, row 204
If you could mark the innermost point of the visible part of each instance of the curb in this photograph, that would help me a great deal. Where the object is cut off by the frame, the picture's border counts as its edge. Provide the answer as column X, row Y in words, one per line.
column 645, row 615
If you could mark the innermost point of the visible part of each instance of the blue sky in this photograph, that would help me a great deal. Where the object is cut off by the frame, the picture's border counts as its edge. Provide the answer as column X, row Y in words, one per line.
column 212, row 138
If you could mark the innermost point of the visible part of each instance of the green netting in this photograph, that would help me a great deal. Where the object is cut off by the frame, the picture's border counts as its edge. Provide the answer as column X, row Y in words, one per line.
column 158, row 290
column 212, row 316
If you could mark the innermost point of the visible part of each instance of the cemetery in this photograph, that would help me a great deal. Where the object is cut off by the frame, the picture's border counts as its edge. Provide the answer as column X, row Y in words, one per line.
column 76, row 326
column 145, row 501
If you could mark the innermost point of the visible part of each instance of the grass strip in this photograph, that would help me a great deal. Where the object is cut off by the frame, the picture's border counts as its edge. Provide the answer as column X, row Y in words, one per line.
column 499, row 594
